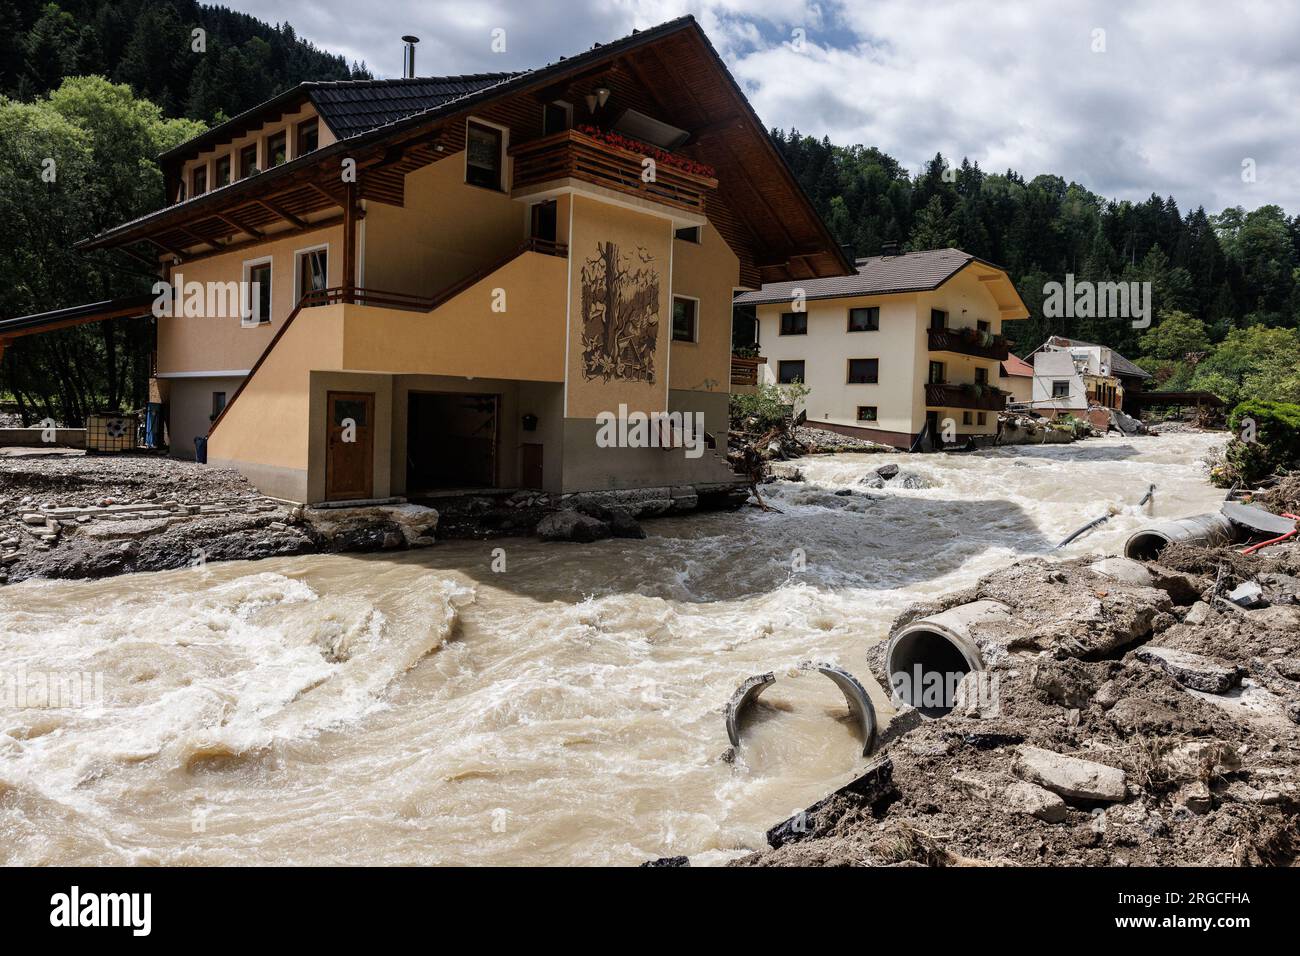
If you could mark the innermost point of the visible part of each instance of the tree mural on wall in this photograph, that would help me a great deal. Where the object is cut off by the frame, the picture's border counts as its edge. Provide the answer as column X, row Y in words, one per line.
column 620, row 315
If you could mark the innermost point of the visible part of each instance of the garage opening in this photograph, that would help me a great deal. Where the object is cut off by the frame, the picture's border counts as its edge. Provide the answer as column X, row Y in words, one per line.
column 451, row 441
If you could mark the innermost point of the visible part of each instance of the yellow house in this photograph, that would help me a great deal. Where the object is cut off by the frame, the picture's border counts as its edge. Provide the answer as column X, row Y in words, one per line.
column 452, row 282
column 907, row 346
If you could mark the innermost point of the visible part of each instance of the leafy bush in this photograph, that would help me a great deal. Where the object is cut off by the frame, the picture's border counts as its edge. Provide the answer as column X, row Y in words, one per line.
column 1267, row 442
column 766, row 407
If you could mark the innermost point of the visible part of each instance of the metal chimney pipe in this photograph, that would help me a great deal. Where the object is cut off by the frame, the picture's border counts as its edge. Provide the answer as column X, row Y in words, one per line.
column 408, row 56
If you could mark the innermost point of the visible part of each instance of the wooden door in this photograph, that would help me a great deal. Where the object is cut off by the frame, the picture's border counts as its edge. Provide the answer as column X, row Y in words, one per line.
column 349, row 446
column 531, row 475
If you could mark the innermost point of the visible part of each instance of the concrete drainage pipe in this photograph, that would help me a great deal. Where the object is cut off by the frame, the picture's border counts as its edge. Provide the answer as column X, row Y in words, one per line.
column 927, row 659
column 855, row 695
column 1209, row 531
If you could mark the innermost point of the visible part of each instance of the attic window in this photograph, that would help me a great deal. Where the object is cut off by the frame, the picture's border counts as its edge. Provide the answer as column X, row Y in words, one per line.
column 276, row 149
column 650, row 130
column 248, row 161
column 556, row 117
column 308, row 137
column 223, row 172
column 483, row 156
column 200, row 180
column 688, row 234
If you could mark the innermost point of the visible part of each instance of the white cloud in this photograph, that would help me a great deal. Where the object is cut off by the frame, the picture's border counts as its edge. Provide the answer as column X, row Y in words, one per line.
column 1182, row 94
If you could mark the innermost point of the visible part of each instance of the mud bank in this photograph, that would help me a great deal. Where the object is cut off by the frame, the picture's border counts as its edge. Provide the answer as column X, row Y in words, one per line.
column 68, row 515
column 1121, row 723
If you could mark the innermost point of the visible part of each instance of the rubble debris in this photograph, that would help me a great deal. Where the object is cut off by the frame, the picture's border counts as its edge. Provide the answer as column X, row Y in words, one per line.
column 1070, row 777
column 1193, row 670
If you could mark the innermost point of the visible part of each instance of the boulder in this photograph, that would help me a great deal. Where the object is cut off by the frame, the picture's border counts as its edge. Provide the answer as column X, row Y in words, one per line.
column 1071, row 777
column 1015, row 796
column 909, row 479
column 872, row 481
column 887, row 471
column 1192, row 670
column 570, row 525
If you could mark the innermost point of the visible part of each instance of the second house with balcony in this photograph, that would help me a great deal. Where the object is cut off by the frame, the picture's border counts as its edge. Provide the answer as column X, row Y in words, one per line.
column 905, row 351
column 457, row 282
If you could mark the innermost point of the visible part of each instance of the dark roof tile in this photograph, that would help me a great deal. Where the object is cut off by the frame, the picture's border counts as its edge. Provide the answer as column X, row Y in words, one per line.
column 877, row 275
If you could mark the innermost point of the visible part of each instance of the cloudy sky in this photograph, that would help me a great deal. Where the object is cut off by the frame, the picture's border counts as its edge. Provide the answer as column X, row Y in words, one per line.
column 1127, row 98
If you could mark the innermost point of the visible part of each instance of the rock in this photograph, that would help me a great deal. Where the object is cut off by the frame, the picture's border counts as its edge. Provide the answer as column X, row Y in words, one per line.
column 33, row 519
column 1192, row 670
column 872, row 481
column 1240, row 792
column 1015, row 796
column 392, row 540
column 1071, row 777
column 277, row 526
column 1199, row 759
column 424, row 541
column 1198, row 614
column 843, row 493
column 909, row 479
column 669, row 861
column 1247, row 594
column 1196, row 797
column 1108, row 694
column 887, row 471
column 1141, row 715
column 1123, row 569
column 570, row 525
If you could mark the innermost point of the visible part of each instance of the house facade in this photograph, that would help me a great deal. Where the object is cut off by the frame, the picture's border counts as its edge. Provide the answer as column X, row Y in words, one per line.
column 908, row 344
column 455, row 282
column 1017, row 380
column 1081, row 379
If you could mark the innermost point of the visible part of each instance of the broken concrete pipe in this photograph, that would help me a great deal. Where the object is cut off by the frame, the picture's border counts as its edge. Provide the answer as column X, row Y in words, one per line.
column 927, row 659
column 1209, row 531
column 855, row 695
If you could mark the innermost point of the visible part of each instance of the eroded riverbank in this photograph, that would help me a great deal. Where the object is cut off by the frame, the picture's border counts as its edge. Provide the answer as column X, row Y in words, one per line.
column 423, row 707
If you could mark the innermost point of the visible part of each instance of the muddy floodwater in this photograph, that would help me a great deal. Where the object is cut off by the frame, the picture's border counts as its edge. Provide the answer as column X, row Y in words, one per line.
column 424, row 708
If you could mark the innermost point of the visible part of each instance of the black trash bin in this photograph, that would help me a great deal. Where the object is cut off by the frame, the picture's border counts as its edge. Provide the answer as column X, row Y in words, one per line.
column 201, row 450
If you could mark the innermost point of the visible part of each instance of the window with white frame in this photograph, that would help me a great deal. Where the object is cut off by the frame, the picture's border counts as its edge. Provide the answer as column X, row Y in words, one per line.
column 257, row 293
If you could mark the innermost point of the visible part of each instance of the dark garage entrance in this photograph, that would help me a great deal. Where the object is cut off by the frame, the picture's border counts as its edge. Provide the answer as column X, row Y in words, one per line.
column 451, row 441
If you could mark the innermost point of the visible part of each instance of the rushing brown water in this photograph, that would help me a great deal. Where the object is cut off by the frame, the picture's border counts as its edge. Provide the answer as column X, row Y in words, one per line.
column 424, row 708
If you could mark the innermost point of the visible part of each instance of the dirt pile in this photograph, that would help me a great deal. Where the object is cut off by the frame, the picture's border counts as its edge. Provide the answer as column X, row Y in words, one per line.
column 1127, row 723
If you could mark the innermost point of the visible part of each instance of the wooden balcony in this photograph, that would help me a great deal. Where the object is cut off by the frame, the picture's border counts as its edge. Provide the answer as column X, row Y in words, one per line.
column 744, row 370
column 575, row 155
column 982, row 398
column 953, row 340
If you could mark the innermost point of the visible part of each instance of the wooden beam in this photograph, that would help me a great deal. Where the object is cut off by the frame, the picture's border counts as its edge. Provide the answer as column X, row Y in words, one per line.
column 197, row 238
column 329, row 196
column 283, row 213
column 166, row 248
column 239, row 226
column 350, row 238
column 283, row 234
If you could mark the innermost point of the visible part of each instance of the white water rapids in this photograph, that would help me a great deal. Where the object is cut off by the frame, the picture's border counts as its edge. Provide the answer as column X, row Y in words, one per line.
column 420, row 708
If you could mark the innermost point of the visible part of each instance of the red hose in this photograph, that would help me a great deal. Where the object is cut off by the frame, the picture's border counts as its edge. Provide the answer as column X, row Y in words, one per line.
column 1264, row 544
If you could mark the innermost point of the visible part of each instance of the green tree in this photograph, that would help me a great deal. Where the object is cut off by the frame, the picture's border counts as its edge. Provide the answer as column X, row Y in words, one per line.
column 1174, row 336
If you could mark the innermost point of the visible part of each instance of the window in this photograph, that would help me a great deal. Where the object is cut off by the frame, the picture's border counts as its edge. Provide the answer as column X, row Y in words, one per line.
column 313, row 270
column 981, row 376
column 200, row 180
column 965, row 418
column 688, row 234
column 865, row 320
column 556, row 117
column 789, row 371
column 257, row 292
column 684, row 319
column 483, row 156
column 866, row 413
column 248, row 161
column 218, row 403
column 276, row 149
column 983, row 326
column 223, row 172
column 544, row 216
column 864, row 371
column 1061, row 388
column 794, row 323
column 938, row 319
column 936, row 373
column 180, row 192
column 350, row 408
column 981, row 418
column 308, row 137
